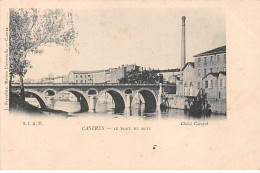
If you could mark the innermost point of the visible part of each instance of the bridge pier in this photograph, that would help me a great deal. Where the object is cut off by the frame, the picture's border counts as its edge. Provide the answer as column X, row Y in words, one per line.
column 128, row 101
column 92, row 103
column 128, row 112
column 50, row 102
column 160, row 96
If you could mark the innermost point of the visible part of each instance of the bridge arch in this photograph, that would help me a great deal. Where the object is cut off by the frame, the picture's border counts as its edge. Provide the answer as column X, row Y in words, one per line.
column 39, row 96
column 82, row 98
column 128, row 91
column 92, row 91
column 149, row 97
column 49, row 92
column 118, row 97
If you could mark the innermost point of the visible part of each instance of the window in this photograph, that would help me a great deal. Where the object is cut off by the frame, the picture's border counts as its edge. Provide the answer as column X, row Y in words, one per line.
column 199, row 60
column 205, row 72
column 76, row 81
column 211, row 70
column 221, row 84
column 80, row 76
column 206, row 84
column 218, row 58
column 211, row 58
column 76, row 76
column 198, row 72
column 211, row 83
column 198, row 85
column 85, row 76
column 205, row 61
column 216, row 83
column 81, row 81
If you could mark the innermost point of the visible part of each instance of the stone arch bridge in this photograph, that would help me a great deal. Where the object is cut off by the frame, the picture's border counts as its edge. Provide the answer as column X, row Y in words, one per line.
column 88, row 94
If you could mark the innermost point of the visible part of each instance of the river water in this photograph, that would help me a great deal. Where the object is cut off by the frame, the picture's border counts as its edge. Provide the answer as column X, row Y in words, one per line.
column 108, row 110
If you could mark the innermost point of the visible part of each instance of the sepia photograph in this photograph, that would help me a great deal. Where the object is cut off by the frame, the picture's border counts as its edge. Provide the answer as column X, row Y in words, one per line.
column 118, row 62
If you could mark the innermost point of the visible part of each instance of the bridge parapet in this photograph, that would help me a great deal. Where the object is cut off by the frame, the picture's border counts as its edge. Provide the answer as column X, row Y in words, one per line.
column 86, row 84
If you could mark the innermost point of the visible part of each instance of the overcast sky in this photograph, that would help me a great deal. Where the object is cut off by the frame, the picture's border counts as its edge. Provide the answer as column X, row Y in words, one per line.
column 146, row 37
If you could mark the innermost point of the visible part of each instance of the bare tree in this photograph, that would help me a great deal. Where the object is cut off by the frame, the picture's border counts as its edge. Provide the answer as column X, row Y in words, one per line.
column 30, row 29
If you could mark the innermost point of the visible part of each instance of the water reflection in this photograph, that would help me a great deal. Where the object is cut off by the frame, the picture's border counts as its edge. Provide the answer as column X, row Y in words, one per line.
column 137, row 110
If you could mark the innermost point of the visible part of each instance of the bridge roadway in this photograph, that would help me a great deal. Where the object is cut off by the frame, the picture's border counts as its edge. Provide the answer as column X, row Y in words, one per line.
column 88, row 94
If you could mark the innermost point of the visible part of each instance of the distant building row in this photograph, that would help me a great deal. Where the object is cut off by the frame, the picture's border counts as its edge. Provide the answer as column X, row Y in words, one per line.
column 111, row 75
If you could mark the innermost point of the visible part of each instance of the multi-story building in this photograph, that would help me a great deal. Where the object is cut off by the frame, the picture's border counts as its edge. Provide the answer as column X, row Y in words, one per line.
column 215, row 85
column 97, row 76
column 188, row 79
column 179, row 86
column 116, row 74
column 129, row 68
column 111, row 75
column 209, row 66
column 207, row 72
column 222, row 85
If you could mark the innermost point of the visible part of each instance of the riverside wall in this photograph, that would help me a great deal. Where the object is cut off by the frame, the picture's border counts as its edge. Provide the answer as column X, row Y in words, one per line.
column 182, row 102
column 218, row 105
column 176, row 102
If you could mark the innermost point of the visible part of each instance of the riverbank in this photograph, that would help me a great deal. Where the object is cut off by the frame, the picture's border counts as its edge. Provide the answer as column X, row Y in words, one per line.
column 18, row 105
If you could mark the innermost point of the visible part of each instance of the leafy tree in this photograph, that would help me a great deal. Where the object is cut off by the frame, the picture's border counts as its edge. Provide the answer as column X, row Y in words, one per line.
column 29, row 29
column 141, row 77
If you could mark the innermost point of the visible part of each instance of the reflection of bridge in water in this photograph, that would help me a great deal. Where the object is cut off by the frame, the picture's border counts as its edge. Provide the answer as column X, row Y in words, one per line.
column 88, row 94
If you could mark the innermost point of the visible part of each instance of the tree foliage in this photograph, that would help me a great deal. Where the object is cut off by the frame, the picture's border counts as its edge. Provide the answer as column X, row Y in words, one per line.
column 29, row 29
column 141, row 77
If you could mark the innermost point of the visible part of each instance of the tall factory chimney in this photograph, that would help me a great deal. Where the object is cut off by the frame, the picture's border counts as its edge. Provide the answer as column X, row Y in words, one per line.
column 183, row 44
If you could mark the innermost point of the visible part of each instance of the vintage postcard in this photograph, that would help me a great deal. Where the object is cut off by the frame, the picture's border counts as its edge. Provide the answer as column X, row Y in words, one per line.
column 130, row 84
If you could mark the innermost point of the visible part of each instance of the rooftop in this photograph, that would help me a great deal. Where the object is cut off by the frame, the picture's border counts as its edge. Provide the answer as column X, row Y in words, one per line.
column 215, row 74
column 87, row 72
column 168, row 70
column 188, row 63
column 218, row 50
column 223, row 72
